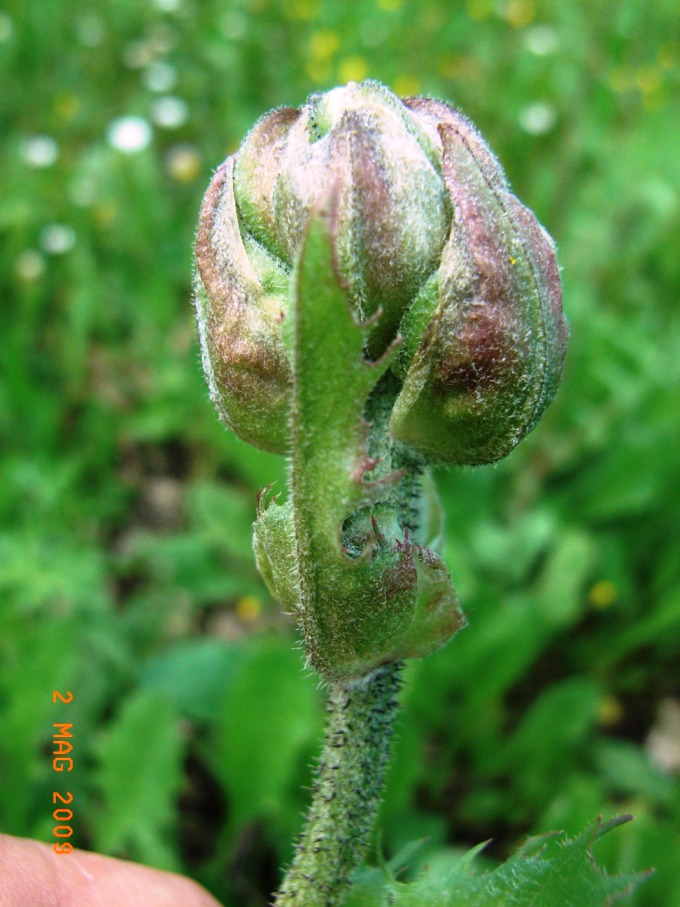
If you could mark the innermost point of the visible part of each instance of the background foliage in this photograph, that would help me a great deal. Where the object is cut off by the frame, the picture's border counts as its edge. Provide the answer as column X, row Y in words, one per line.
column 126, row 572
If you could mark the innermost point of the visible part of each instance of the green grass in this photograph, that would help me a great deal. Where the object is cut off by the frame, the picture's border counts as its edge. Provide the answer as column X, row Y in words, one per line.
column 126, row 571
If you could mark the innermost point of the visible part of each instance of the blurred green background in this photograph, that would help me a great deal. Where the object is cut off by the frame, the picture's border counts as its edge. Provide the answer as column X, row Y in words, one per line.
column 126, row 572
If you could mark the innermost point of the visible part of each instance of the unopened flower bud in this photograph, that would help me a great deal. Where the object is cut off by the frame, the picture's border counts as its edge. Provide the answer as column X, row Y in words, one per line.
column 240, row 297
column 485, row 339
column 427, row 237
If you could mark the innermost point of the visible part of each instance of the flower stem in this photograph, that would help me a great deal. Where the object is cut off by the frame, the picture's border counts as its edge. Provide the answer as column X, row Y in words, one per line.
column 346, row 791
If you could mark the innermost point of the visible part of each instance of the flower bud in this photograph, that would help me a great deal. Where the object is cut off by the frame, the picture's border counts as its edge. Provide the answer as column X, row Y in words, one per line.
column 426, row 237
column 485, row 339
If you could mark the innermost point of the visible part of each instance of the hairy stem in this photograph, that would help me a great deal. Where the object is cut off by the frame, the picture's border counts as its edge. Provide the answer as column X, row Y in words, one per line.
column 346, row 791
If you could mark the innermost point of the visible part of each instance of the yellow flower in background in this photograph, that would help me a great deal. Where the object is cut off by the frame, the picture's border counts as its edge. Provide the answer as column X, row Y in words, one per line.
column 324, row 44
column 353, row 69
column 609, row 711
column 668, row 55
column 67, row 105
column 106, row 213
column 183, row 163
column 302, row 9
column 479, row 9
column 649, row 79
column 458, row 67
column 603, row 594
column 406, row 86
column 248, row 608
column 519, row 12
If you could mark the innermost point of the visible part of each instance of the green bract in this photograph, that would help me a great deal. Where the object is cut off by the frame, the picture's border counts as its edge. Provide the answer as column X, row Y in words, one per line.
column 371, row 299
column 348, row 552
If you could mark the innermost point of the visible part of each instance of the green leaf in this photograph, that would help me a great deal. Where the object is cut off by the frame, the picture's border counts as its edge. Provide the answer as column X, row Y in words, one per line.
column 561, row 583
column 267, row 727
column 193, row 674
column 139, row 779
column 548, row 740
column 548, row 871
column 35, row 659
column 368, row 888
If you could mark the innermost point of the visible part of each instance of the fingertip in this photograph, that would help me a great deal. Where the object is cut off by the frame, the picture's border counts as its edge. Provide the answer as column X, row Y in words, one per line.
column 33, row 875
column 28, row 876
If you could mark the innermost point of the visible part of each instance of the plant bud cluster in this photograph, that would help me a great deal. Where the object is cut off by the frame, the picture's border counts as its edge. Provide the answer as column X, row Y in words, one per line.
column 427, row 239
